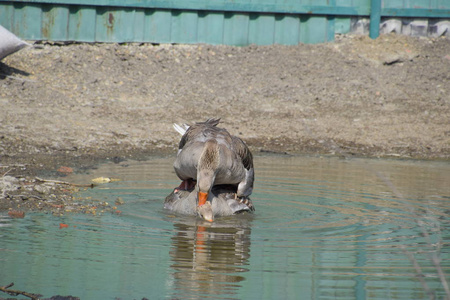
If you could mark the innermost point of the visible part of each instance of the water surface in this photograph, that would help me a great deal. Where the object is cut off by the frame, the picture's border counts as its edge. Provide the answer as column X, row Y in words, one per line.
column 324, row 228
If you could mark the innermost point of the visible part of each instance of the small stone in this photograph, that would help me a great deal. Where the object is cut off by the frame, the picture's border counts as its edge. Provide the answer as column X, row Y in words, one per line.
column 42, row 189
column 119, row 201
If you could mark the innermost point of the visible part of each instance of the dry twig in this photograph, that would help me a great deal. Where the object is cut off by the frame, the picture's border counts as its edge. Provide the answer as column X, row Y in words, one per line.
column 64, row 182
column 6, row 172
column 6, row 289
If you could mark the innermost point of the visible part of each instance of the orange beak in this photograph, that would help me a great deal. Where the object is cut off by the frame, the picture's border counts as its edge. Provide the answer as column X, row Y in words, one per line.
column 204, row 207
column 202, row 197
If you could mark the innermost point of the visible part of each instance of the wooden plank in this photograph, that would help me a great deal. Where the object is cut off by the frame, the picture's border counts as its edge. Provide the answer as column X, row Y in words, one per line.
column 342, row 25
column 125, row 25
column 184, row 27
column 416, row 4
column 7, row 15
column 27, row 21
column 313, row 30
column 331, row 31
column 115, row 25
column 317, row 2
column 432, row 5
column 82, row 22
column 236, row 29
column 239, row 22
column 210, row 28
column 158, row 26
column 364, row 5
column 344, row 3
column 415, row 13
column 331, row 24
column 104, row 24
column 360, row 7
column 139, row 25
column 261, row 29
column 443, row 4
column 393, row 4
column 223, row 5
column 55, row 21
column 287, row 30
column 375, row 18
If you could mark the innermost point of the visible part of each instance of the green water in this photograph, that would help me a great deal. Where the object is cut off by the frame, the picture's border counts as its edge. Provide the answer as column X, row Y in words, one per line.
column 324, row 228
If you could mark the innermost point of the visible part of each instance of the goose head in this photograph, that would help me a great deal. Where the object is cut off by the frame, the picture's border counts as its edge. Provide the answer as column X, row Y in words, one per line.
column 205, row 211
column 206, row 174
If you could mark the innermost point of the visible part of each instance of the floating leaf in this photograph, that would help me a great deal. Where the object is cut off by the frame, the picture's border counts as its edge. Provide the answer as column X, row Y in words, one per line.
column 64, row 169
column 16, row 214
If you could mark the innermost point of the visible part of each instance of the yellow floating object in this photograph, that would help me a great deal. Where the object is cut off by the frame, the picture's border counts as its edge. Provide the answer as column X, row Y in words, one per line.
column 104, row 180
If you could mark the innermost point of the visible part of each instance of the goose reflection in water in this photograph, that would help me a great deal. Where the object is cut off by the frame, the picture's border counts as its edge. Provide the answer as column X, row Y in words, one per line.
column 217, row 173
column 208, row 257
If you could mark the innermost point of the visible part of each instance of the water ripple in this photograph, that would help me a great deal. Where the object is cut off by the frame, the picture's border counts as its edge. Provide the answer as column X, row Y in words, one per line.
column 323, row 228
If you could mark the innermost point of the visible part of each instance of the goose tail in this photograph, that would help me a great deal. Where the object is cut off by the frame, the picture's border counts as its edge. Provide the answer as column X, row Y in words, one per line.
column 181, row 129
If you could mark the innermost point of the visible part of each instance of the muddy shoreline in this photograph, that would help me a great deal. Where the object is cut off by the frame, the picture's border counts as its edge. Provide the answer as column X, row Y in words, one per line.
column 77, row 104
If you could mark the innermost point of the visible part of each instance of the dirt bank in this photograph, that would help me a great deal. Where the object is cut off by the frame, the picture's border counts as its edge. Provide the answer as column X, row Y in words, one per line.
column 356, row 96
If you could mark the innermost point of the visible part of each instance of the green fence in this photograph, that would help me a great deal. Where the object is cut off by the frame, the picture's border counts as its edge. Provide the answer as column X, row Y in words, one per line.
column 230, row 22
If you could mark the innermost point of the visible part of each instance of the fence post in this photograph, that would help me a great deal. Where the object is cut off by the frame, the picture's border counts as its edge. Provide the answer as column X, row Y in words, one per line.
column 375, row 16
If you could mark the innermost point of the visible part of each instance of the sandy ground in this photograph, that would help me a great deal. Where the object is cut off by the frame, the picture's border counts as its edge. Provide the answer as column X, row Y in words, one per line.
column 388, row 97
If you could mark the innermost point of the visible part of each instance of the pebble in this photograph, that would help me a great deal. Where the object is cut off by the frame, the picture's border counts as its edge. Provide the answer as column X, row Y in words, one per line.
column 42, row 189
column 119, row 201
column 9, row 183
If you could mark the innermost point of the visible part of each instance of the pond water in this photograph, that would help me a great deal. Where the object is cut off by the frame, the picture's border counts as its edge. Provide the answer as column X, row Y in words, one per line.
column 324, row 228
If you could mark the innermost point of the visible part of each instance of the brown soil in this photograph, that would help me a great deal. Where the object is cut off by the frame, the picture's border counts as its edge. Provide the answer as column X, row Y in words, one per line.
column 355, row 96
